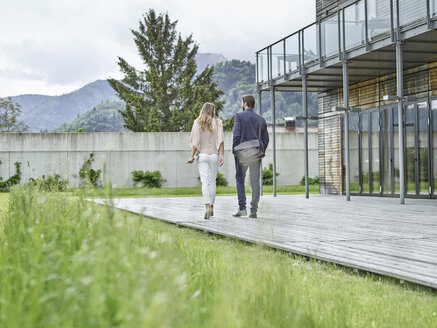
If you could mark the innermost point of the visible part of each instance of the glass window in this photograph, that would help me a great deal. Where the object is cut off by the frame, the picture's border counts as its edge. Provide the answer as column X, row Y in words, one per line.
column 262, row 66
column 434, row 142
column 292, row 52
column 433, row 7
column 354, row 25
column 423, row 147
column 395, row 153
column 378, row 15
column 277, row 59
column 354, row 153
column 374, row 145
column 310, row 44
column 410, row 148
column 411, row 11
column 365, row 152
column 329, row 33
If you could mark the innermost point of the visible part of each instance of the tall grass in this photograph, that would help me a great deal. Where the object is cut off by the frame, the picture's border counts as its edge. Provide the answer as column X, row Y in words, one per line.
column 197, row 191
column 65, row 262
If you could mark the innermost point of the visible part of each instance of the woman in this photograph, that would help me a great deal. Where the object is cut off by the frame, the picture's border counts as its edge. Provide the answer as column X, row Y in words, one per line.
column 207, row 141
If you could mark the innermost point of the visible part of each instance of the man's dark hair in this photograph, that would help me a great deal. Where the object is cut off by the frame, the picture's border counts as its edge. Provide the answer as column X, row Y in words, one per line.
column 249, row 100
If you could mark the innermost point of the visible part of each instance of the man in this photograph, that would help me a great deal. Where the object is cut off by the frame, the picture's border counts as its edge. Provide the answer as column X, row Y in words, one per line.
column 246, row 127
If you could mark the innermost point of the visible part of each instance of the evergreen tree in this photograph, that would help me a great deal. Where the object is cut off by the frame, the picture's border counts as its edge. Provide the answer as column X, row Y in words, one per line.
column 166, row 95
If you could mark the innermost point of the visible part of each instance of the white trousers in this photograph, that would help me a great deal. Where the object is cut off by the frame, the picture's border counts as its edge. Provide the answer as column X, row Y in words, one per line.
column 208, row 167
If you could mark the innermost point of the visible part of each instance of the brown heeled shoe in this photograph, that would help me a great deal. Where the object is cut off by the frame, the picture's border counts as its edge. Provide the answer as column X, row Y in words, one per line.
column 207, row 211
column 211, row 210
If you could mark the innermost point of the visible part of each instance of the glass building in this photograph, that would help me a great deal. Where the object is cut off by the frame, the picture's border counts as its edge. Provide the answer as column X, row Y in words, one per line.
column 373, row 64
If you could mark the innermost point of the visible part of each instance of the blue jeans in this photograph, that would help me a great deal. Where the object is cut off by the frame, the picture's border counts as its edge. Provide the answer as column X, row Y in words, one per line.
column 240, row 175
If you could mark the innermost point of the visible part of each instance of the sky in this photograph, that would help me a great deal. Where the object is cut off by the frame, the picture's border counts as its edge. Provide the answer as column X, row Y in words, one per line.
column 54, row 47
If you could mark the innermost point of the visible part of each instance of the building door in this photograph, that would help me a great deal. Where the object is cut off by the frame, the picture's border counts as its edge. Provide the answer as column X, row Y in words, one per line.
column 433, row 147
column 370, row 165
column 417, row 150
column 389, row 150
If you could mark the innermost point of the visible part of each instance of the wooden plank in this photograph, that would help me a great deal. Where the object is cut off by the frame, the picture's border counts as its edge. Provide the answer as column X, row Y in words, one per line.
column 372, row 234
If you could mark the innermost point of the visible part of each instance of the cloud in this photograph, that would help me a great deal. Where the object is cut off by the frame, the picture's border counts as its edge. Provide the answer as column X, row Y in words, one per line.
column 60, row 43
column 56, row 61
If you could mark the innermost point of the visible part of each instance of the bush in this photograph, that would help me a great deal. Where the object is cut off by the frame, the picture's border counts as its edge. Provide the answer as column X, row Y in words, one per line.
column 51, row 183
column 311, row 181
column 13, row 180
column 87, row 174
column 268, row 175
column 148, row 179
column 221, row 180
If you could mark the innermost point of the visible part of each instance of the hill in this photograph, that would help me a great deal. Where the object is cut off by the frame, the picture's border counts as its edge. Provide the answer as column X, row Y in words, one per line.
column 102, row 118
column 44, row 113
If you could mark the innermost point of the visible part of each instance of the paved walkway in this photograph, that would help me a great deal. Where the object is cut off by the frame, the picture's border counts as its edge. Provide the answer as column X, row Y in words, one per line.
column 369, row 233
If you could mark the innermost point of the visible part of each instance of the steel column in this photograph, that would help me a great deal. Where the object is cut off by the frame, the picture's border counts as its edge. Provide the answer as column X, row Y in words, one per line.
column 305, row 122
column 346, row 125
column 272, row 97
column 400, row 87
column 261, row 161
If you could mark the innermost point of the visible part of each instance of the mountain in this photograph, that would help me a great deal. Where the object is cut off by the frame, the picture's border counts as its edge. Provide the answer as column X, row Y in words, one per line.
column 42, row 113
column 237, row 78
column 46, row 113
column 208, row 59
column 102, row 118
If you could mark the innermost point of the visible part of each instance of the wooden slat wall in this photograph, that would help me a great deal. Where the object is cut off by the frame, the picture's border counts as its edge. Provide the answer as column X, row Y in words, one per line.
column 326, row 5
column 420, row 82
column 329, row 142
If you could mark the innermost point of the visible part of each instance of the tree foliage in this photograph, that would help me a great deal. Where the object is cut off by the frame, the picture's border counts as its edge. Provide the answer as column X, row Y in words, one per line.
column 9, row 112
column 237, row 78
column 167, row 94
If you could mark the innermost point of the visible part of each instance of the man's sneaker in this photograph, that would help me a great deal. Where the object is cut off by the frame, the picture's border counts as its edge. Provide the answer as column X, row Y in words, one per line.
column 253, row 215
column 240, row 213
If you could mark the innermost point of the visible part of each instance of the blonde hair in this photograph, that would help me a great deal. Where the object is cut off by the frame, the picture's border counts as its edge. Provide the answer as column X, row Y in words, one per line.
column 206, row 116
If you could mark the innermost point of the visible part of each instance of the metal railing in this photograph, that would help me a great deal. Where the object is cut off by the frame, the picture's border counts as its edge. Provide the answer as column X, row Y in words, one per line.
column 355, row 24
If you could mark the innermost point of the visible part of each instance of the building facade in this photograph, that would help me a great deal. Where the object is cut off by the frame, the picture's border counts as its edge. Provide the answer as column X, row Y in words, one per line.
column 373, row 64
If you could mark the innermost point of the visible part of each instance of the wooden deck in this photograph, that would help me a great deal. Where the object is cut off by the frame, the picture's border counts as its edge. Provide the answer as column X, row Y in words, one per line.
column 369, row 233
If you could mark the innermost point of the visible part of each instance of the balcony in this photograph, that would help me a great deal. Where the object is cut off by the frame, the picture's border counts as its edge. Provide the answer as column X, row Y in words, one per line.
column 363, row 33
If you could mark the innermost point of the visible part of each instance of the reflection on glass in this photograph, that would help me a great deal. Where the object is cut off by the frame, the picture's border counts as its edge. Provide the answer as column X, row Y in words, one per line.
column 386, row 153
column 433, row 7
column 354, row 25
column 434, row 143
column 353, row 153
column 365, row 152
column 374, row 146
column 292, row 52
column 262, row 66
column 422, row 115
column 395, row 150
column 410, row 11
column 277, row 59
column 378, row 14
column 410, row 148
column 330, row 36
column 310, row 44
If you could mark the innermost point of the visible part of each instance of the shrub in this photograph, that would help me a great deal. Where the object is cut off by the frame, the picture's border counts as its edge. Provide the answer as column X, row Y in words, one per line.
column 268, row 175
column 51, row 183
column 148, row 179
column 311, row 181
column 13, row 180
column 87, row 174
column 221, row 180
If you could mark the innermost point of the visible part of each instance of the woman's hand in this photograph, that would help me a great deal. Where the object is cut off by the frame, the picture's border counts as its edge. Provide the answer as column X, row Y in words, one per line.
column 221, row 161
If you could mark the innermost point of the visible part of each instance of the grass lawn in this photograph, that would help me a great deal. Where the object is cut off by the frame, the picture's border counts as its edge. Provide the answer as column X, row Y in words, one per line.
column 65, row 262
column 197, row 191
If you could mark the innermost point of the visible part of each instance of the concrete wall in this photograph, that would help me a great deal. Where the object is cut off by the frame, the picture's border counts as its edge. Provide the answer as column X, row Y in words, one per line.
column 64, row 154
